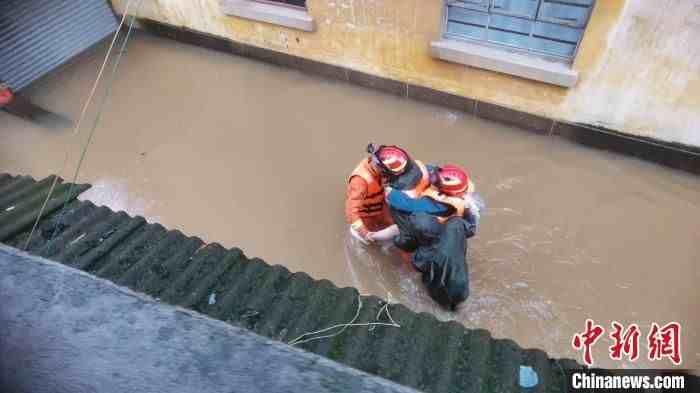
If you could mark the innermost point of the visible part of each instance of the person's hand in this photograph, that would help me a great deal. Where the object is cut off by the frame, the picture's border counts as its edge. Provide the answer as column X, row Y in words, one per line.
column 365, row 234
column 360, row 233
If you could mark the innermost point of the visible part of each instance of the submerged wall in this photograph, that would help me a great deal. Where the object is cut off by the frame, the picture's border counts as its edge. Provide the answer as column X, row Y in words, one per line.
column 639, row 61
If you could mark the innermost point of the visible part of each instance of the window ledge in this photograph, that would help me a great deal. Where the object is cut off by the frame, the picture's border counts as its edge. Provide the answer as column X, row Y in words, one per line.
column 270, row 13
column 500, row 60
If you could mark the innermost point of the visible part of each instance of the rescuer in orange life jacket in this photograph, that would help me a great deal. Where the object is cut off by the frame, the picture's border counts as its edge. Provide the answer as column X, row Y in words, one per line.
column 435, row 228
column 365, row 206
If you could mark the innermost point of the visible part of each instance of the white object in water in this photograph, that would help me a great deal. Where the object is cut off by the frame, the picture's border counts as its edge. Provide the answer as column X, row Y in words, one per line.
column 475, row 203
column 528, row 377
column 476, row 206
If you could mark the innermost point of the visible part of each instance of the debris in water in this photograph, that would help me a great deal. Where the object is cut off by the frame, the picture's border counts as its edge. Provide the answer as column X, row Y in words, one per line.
column 528, row 377
column 11, row 208
column 212, row 298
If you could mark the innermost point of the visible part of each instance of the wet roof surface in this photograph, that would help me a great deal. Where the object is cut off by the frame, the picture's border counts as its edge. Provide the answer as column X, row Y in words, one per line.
column 225, row 284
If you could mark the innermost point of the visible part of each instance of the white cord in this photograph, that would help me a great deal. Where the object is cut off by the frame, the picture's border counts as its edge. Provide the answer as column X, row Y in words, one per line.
column 371, row 325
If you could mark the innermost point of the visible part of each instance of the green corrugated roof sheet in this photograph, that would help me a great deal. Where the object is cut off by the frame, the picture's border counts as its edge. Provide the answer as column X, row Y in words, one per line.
column 423, row 353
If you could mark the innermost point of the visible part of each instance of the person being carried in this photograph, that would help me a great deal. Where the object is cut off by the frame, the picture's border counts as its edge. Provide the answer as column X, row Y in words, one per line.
column 365, row 205
column 434, row 229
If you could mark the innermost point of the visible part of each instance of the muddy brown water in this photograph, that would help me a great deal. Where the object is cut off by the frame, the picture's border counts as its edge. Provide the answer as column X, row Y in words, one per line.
column 256, row 156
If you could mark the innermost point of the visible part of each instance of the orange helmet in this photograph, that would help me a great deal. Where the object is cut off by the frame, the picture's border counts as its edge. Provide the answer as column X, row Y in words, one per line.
column 452, row 180
column 391, row 159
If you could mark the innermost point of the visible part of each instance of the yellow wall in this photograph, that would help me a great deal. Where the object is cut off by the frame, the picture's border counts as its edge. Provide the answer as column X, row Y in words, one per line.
column 639, row 61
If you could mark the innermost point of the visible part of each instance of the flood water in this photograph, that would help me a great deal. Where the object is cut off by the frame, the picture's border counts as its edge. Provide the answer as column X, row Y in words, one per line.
column 256, row 156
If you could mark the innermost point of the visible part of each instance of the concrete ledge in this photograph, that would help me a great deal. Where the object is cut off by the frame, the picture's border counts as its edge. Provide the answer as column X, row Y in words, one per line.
column 524, row 120
column 294, row 18
column 503, row 61
column 62, row 330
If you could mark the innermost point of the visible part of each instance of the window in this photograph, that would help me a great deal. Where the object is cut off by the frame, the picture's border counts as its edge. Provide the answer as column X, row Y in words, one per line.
column 288, row 13
column 549, row 28
column 295, row 3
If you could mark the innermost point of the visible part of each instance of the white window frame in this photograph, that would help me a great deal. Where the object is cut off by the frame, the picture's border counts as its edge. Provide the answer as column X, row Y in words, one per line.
column 488, row 4
column 511, row 60
column 275, row 13
column 277, row 3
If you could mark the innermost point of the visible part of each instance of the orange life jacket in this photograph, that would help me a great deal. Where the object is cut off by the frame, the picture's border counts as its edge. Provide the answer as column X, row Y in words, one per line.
column 373, row 203
column 458, row 204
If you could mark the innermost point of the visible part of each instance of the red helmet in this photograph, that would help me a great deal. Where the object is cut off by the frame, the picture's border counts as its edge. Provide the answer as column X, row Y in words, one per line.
column 452, row 180
column 392, row 159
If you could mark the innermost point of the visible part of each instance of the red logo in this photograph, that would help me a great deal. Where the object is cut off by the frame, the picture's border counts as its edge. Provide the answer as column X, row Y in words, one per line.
column 665, row 342
column 662, row 342
column 624, row 341
column 587, row 339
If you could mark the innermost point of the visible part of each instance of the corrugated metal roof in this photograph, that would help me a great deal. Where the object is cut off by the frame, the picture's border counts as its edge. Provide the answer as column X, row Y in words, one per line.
column 423, row 353
column 37, row 36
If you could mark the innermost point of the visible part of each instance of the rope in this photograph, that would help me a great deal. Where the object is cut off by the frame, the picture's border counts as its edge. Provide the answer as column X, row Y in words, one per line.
column 80, row 120
column 385, row 308
column 344, row 326
column 98, row 117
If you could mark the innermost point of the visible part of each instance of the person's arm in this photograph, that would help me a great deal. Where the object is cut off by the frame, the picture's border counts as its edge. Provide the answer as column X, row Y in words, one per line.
column 385, row 234
column 400, row 201
column 355, row 195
